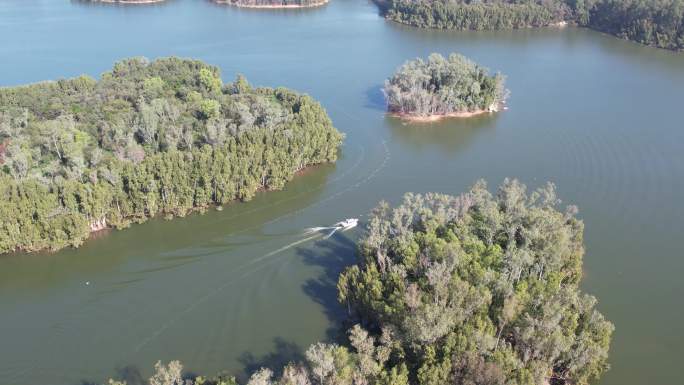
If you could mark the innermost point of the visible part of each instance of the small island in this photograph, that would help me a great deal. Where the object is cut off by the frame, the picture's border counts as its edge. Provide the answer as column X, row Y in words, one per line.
column 443, row 87
column 274, row 3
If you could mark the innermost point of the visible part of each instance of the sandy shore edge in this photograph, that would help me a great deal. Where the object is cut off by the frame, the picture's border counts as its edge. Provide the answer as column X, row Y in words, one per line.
column 409, row 117
column 227, row 2
column 437, row 117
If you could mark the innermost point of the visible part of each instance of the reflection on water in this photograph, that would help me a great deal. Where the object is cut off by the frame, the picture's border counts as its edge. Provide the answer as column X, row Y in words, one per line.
column 375, row 98
column 663, row 60
column 447, row 135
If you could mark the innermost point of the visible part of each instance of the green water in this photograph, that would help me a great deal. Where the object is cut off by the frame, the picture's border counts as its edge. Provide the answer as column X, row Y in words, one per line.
column 243, row 287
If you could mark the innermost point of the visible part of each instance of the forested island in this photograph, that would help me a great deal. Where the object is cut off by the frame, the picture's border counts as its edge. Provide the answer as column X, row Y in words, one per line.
column 425, row 90
column 163, row 137
column 658, row 23
column 274, row 3
column 475, row 289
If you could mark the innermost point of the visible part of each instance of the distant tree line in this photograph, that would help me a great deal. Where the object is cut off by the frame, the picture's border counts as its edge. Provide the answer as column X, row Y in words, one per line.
column 443, row 86
column 163, row 137
column 474, row 14
column 658, row 23
column 475, row 289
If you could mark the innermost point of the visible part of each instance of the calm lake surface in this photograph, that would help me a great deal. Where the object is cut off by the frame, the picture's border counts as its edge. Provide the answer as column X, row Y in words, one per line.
column 600, row 117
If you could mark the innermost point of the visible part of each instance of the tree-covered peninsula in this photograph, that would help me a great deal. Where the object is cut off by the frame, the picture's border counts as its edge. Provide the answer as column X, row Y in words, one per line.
column 475, row 15
column 443, row 87
column 658, row 23
column 273, row 3
column 163, row 137
column 475, row 289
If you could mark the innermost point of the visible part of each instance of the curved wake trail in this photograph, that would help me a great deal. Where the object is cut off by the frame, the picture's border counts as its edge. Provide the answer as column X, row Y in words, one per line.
column 220, row 288
column 280, row 250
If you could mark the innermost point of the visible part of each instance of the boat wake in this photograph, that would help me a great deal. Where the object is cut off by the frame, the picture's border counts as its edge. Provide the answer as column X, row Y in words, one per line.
column 312, row 232
column 343, row 226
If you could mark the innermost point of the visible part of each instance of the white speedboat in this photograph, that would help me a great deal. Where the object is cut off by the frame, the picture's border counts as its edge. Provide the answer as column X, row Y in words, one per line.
column 344, row 225
column 347, row 224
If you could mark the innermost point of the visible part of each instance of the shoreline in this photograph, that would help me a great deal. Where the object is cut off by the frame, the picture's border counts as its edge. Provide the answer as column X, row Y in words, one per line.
column 416, row 118
column 267, row 6
column 437, row 117
column 130, row 1
column 101, row 228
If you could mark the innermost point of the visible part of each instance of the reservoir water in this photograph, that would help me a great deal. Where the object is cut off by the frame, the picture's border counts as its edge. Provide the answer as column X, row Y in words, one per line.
column 244, row 287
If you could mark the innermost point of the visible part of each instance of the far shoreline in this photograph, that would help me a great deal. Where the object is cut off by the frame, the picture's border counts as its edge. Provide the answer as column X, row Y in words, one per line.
column 130, row 1
column 269, row 6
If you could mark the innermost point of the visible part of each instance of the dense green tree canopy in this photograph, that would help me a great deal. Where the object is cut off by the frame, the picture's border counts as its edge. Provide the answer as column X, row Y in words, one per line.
column 480, row 288
column 658, row 23
column 149, row 137
column 653, row 22
column 476, row 14
column 443, row 86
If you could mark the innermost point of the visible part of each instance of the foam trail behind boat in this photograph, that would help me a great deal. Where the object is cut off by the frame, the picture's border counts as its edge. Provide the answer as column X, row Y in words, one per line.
column 217, row 290
column 312, row 230
column 289, row 246
column 332, row 232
